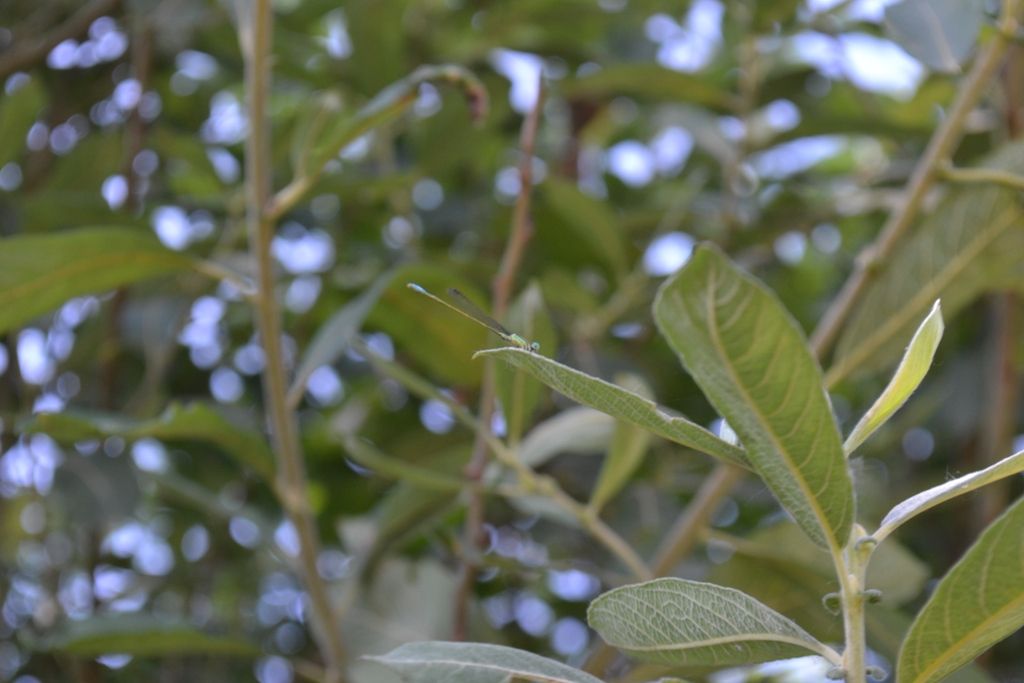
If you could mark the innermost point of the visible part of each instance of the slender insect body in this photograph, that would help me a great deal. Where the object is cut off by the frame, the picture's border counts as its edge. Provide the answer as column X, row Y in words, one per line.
column 463, row 306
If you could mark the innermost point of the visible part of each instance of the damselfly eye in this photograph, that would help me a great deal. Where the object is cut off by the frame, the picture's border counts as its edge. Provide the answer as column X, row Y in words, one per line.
column 535, row 346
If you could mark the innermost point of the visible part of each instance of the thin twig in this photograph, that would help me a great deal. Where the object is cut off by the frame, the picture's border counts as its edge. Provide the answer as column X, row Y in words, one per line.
column 871, row 260
column 26, row 53
column 256, row 22
column 530, row 482
column 502, row 286
column 686, row 531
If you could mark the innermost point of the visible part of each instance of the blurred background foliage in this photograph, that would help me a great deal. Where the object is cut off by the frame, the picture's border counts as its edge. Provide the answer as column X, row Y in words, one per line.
column 141, row 536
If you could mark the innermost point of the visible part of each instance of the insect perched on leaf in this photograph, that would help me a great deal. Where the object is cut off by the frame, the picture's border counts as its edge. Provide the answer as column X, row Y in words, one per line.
column 463, row 306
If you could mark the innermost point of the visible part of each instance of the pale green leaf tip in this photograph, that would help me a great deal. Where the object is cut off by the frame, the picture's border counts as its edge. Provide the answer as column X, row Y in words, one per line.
column 937, row 311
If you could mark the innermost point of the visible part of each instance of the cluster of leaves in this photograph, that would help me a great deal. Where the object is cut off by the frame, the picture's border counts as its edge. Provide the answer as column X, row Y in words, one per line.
column 122, row 344
column 750, row 359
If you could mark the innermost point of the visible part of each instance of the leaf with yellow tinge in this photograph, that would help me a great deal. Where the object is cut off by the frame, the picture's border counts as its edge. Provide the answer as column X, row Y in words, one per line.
column 911, row 371
column 977, row 604
column 751, row 360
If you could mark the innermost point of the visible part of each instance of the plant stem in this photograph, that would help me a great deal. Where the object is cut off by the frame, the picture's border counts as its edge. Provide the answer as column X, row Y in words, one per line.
column 869, row 262
column 687, row 530
column 256, row 22
column 986, row 176
column 851, row 569
column 529, row 481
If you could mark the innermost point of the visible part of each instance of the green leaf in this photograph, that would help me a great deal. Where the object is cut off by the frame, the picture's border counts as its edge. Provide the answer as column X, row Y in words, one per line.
column 519, row 394
column 620, row 403
column 977, row 604
column 751, row 360
column 939, row 33
column 626, row 451
column 142, row 635
column 894, row 570
column 970, row 244
column 574, row 430
column 937, row 495
column 40, row 272
column 438, row 339
column 433, row 661
column 197, row 422
column 387, row 106
column 388, row 466
column 652, row 82
column 334, row 336
column 688, row 623
column 908, row 376
column 96, row 491
column 795, row 589
column 19, row 109
column 591, row 223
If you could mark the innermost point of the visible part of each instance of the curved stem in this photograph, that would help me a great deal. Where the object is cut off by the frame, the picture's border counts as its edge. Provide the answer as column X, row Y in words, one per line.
column 985, row 176
column 851, row 569
column 256, row 22
column 529, row 481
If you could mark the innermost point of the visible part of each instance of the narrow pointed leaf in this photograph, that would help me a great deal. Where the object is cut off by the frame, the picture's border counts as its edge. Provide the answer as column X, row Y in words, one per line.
column 518, row 392
column 40, row 272
column 574, row 430
column 650, row 82
column 588, row 223
column 676, row 622
column 19, row 109
column 335, row 336
column 626, row 451
column 751, row 359
column 395, row 468
column 387, row 106
column 142, row 636
column 937, row 495
column 977, row 604
column 434, row 661
column 911, row 371
column 195, row 422
column 620, row 403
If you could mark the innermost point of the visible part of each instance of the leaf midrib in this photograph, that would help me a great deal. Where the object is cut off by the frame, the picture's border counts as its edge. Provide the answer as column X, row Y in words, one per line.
column 756, row 636
column 719, row 348
column 951, row 649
